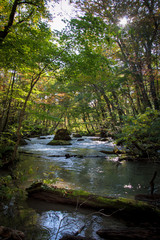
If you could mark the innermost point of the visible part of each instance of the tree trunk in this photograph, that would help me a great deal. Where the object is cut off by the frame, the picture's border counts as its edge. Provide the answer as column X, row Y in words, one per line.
column 137, row 74
column 22, row 113
column 101, row 90
column 6, row 30
column 103, row 112
column 134, row 110
column 86, row 125
column 9, row 104
column 90, row 122
column 152, row 84
column 119, row 109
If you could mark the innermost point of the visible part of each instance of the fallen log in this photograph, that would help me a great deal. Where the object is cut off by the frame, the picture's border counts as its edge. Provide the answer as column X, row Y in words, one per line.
column 151, row 199
column 127, row 209
column 130, row 233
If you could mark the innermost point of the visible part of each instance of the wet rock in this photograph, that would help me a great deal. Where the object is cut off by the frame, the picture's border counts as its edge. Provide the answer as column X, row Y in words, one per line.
column 77, row 135
column 108, row 152
column 62, row 134
column 104, row 139
column 59, row 142
column 42, row 137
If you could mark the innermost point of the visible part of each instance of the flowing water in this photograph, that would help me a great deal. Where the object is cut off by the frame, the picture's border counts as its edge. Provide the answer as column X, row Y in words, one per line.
column 86, row 169
column 91, row 170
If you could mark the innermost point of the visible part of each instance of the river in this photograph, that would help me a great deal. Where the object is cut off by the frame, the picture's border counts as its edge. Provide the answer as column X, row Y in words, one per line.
column 86, row 169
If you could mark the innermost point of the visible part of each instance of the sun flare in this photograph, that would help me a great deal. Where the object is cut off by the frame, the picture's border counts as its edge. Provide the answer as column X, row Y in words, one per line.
column 123, row 21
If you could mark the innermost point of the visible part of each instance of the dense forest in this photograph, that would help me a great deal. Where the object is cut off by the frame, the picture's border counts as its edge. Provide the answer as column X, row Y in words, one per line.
column 95, row 75
column 98, row 76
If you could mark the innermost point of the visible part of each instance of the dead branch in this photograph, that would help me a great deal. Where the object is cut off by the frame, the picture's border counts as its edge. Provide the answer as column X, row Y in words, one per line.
column 152, row 182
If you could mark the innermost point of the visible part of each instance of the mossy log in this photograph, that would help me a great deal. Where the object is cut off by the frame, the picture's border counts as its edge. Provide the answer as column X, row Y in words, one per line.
column 151, row 199
column 130, row 233
column 127, row 209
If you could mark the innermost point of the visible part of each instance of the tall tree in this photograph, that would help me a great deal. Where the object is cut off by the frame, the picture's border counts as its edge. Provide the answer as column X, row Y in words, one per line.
column 138, row 40
column 16, row 12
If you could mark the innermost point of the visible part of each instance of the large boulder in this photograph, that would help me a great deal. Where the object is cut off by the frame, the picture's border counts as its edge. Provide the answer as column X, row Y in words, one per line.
column 62, row 134
column 59, row 142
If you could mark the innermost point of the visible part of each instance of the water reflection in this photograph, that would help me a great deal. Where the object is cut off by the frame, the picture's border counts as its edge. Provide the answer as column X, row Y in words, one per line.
column 59, row 220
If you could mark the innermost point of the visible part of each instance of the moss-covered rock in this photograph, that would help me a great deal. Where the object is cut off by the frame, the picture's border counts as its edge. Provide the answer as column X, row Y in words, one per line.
column 62, row 134
column 59, row 142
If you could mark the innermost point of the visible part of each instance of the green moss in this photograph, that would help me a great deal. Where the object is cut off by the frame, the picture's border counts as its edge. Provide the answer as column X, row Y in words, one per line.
column 59, row 142
column 80, row 193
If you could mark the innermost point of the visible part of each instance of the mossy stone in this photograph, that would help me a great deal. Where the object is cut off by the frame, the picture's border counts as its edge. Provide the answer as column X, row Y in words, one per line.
column 59, row 142
column 62, row 134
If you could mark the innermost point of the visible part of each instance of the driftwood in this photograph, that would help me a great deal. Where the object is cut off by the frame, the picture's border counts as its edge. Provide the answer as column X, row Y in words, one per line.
column 8, row 233
column 130, row 233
